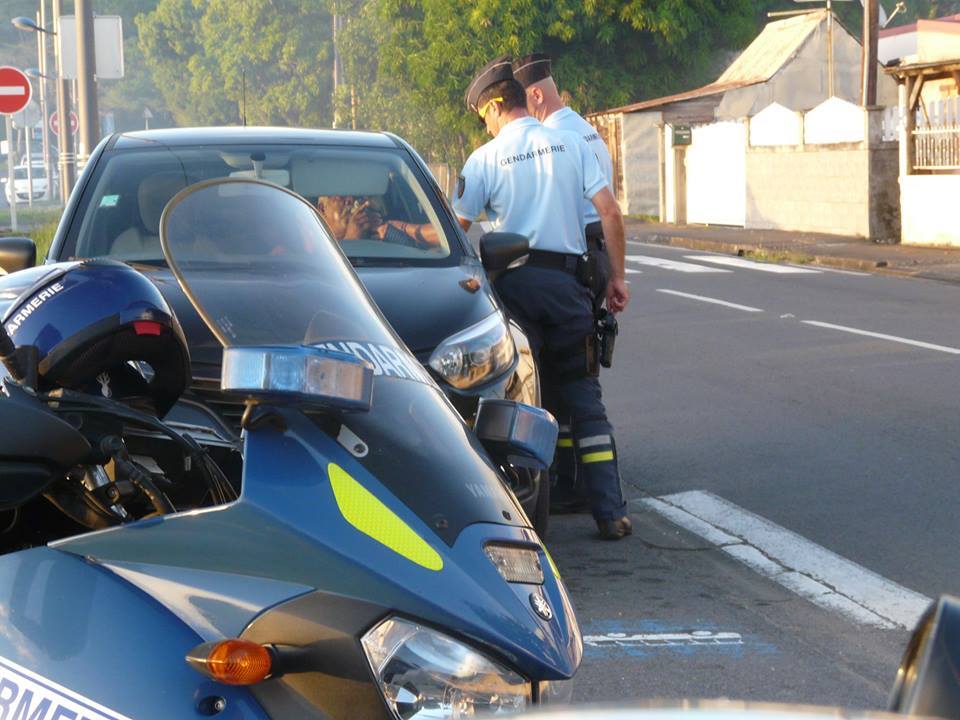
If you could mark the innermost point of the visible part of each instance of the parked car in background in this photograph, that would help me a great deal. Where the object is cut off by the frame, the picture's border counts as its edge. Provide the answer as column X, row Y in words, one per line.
column 410, row 253
column 21, row 180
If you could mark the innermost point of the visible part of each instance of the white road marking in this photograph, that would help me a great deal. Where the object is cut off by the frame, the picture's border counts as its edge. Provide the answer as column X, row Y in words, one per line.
column 805, row 568
column 673, row 264
column 821, row 268
column 695, row 638
column 752, row 265
column 12, row 90
column 631, row 271
column 701, row 298
column 881, row 336
column 659, row 246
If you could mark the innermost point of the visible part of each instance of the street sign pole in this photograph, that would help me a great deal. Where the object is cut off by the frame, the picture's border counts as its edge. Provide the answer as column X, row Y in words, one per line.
column 11, row 187
column 27, row 133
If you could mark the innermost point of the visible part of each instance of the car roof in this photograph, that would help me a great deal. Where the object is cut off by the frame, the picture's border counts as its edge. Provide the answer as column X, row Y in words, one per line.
column 248, row 135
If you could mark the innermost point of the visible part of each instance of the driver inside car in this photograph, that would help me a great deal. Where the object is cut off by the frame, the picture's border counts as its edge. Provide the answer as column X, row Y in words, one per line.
column 357, row 218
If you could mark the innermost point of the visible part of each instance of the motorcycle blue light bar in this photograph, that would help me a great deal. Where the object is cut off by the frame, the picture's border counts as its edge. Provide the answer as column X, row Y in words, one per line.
column 525, row 435
column 309, row 374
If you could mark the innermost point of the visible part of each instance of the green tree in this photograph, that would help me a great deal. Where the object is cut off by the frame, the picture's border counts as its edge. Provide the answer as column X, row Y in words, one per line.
column 417, row 56
column 217, row 61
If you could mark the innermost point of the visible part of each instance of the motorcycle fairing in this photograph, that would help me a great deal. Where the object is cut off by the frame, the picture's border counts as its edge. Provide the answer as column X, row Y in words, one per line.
column 86, row 636
column 287, row 526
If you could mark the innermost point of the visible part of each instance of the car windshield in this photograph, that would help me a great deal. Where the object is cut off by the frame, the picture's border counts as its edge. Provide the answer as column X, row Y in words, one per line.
column 20, row 173
column 372, row 199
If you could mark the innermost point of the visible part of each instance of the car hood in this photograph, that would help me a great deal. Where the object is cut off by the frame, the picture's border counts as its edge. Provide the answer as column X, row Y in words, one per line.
column 426, row 305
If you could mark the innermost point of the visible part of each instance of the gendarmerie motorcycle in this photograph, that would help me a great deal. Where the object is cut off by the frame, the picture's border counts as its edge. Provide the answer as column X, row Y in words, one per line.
column 373, row 563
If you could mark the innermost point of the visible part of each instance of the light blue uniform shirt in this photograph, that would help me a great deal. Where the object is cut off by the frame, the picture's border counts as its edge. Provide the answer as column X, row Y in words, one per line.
column 567, row 119
column 532, row 180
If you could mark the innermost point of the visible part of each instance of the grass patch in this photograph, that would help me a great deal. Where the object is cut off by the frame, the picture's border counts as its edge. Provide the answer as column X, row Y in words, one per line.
column 776, row 256
column 643, row 217
column 37, row 223
column 28, row 217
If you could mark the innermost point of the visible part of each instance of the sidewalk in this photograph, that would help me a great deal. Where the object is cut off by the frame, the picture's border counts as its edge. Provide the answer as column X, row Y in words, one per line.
column 840, row 251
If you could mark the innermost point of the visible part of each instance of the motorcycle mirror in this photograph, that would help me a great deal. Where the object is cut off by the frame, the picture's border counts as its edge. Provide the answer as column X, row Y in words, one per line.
column 17, row 253
column 517, row 434
column 501, row 250
column 310, row 375
column 927, row 683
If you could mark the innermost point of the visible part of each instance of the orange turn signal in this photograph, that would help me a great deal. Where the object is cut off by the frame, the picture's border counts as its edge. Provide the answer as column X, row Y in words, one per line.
column 232, row 662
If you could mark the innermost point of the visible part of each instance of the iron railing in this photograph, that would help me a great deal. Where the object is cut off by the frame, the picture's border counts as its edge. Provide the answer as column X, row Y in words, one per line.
column 937, row 148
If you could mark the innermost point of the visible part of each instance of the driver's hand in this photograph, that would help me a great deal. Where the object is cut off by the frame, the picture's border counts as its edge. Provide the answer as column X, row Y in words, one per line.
column 362, row 222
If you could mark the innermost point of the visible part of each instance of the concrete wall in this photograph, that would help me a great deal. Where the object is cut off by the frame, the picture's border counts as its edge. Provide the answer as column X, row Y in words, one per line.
column 924, row 200
column 641, row 168
column 844, row 188
column 812, row 188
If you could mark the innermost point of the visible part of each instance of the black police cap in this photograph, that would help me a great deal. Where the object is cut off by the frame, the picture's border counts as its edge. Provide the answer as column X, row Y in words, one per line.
column 531, row 68
column 493, row 72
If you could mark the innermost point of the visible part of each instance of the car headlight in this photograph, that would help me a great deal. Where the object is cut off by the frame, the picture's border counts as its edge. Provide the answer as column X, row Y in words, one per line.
column 482, row 351
column 425, row 675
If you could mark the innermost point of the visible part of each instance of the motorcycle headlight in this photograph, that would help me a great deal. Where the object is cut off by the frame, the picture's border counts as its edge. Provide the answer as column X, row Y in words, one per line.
column 425, row 675
column 482, row 351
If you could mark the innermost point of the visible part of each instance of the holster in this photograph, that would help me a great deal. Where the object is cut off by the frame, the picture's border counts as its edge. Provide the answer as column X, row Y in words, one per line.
column 588, row 271
column 607, row 330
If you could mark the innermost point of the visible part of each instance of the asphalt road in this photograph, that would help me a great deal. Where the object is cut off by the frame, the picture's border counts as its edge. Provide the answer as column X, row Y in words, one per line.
column 793, row 483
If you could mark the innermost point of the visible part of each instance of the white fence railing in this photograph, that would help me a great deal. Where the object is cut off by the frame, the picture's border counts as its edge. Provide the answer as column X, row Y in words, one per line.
column 937, row 148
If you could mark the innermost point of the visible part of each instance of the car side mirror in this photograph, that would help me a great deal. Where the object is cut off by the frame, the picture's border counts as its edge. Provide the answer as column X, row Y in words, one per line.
column 500, row 250
column 927, row 683
column 17, row 253
column 517, row 434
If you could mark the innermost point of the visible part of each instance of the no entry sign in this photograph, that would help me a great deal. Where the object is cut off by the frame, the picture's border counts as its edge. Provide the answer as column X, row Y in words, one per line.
column 15, row 90
column 55, row 123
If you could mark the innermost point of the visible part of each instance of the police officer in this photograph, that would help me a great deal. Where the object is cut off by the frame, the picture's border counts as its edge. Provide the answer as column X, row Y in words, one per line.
column 533, row 180
column 544, row 103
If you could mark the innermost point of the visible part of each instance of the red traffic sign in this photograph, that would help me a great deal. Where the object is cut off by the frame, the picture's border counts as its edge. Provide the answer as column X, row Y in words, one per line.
column 15, row 90
column 55, row 123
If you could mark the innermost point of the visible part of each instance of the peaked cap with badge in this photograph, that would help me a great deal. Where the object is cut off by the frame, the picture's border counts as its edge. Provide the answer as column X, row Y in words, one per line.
column 493, row 72
column 531, row 68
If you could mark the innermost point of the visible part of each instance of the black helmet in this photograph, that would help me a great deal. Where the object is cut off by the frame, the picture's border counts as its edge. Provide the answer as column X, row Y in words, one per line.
column 99, row 325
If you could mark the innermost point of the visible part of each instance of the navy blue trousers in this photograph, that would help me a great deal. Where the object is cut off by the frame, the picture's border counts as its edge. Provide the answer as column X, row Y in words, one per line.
column 556, row 313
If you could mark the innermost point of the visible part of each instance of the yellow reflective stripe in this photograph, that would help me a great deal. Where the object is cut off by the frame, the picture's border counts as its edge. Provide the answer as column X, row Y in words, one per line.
column 366, row 513
column 601, row 456
column 553, row 566
column 565, row 442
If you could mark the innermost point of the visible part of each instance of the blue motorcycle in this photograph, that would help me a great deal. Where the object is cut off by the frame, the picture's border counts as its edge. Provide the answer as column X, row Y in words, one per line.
column 373, row 563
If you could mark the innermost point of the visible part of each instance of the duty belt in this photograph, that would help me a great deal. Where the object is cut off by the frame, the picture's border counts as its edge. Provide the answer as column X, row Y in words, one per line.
column 553, row 261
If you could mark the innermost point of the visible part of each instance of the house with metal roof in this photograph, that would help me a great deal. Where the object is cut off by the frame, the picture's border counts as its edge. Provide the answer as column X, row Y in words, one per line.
column 796, row 63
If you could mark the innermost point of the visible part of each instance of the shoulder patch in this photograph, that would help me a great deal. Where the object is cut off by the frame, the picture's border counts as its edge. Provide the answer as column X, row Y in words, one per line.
column 461, row 186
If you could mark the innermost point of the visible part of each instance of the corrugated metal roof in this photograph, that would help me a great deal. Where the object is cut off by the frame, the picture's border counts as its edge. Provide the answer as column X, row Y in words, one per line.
column 773, row 48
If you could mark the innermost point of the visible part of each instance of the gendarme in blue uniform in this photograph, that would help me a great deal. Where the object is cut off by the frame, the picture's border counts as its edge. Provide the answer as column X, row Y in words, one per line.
column 505, row 179
column 535, row 180
column 567, row 119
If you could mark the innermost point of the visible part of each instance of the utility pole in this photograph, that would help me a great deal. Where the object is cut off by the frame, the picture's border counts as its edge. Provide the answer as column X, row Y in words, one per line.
column 337, row 70
column 871, row 29
column 89, row 114
column 65, row 139
column 44, row 76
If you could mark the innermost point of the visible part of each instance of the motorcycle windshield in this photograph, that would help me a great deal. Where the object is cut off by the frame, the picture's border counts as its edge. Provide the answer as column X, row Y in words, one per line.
column 260, row 268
